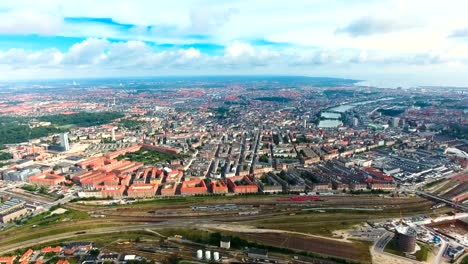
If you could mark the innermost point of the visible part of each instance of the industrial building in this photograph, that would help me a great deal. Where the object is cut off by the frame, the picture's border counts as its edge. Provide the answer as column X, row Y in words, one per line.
column 405, row 238
column 12, row 209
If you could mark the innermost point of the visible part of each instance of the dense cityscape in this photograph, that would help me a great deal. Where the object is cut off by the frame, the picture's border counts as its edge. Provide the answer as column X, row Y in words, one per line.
column 207, row 131
column 232, row 169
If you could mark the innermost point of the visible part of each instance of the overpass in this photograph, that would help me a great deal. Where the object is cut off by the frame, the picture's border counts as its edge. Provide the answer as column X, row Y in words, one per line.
column 458, row 206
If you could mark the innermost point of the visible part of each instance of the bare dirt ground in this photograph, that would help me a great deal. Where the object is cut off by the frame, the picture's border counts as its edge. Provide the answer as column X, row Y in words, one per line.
column 298, row 241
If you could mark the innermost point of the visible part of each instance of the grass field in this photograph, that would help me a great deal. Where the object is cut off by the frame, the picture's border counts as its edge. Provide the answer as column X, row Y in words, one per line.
column 423, row 253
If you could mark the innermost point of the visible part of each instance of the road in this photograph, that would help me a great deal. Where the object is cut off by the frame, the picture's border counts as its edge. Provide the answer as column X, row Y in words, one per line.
column 379, row 246
column 443, row 246
column 97, row 231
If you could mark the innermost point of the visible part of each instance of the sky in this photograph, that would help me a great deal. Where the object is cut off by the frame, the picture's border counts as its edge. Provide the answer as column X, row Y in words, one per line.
column 384, row 42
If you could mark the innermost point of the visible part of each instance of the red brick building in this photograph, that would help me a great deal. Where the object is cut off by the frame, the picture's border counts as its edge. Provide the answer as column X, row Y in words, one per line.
column 7, row 260
column 193, row 187
column 142, row 190
column 26, row 256
column 169, row 189
column 114, row 192
column 49, row 249
column 47, row 179
column 241, row 184
column 218, row 186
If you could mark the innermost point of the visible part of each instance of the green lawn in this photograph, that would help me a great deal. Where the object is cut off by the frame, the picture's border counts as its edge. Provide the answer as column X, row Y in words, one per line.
column 422, row 254
column 47, row 218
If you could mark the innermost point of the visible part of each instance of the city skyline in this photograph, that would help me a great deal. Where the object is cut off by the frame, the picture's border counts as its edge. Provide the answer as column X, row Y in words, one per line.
column 418, row 43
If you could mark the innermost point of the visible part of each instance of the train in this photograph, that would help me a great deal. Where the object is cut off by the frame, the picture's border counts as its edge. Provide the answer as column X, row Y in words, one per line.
column 302, row 198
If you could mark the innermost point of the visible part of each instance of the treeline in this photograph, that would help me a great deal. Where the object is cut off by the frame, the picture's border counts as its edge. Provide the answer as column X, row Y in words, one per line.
column 131, row 124
column 14, row 133
column 5, row 156
column 274, row 99
column 391, row 112
column 16, row 129
column 82, row 119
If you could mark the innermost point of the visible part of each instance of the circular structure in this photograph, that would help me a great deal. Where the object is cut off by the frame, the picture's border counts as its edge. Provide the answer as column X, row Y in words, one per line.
column 405, row 238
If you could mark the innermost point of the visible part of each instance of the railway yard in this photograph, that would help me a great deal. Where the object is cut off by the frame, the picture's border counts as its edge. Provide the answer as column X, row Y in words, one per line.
column 275, row 221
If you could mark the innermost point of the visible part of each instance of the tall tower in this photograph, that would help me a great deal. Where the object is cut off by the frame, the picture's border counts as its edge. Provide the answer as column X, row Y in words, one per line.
column 395, row 121
column 64, row 141
column 113, row 133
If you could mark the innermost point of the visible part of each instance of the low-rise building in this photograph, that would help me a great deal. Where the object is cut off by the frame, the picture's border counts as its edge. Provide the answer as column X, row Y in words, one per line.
column 47, row 179
column 219, row 186
column 26, row 256
column 169, row 189
column 8, row 260
column 241, row 184
column 142, row 190
column 12, row 209
column 112, row 191
column 193, row 187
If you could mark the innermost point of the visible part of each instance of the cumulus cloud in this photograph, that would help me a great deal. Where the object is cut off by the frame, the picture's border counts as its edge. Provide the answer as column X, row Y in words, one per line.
column 101, row 56
column 20, row 58
column 90, row 51
column 368, row 25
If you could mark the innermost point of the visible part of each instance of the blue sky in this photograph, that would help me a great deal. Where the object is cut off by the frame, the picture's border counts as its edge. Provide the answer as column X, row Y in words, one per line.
column 387, row 42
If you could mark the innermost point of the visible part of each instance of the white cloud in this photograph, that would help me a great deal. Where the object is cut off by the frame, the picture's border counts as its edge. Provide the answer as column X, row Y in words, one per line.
column 238, row 49
column 415, row 39
column 90, row 51
column 368, row 25
column 28, row 21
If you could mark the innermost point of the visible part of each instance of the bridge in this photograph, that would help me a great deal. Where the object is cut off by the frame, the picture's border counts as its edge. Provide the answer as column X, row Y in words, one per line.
column 458, row 206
